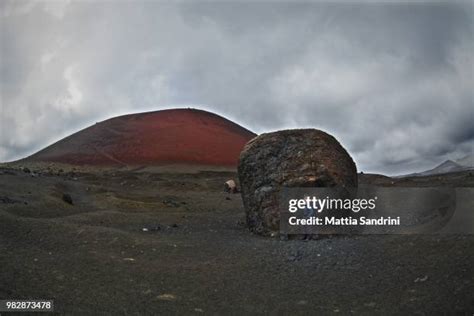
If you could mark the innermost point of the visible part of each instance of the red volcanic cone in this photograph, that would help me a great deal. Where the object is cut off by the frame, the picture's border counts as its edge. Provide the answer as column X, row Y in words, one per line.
column 177, row 136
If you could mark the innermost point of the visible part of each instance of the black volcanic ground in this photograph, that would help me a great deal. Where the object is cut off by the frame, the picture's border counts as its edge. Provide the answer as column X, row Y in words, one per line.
column 195, row 256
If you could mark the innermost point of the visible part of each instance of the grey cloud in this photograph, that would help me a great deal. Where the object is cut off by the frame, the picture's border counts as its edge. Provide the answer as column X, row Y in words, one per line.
column 392, row 81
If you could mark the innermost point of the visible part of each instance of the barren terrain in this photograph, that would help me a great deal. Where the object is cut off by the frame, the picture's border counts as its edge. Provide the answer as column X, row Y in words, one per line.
column 141, row 242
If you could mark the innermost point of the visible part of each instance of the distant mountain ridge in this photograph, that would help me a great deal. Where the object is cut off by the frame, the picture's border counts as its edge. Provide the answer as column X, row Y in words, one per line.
column 463, row 164
column 467, row 161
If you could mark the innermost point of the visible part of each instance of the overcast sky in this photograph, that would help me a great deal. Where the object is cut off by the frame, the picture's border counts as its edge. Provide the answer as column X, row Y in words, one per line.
column 393, row 82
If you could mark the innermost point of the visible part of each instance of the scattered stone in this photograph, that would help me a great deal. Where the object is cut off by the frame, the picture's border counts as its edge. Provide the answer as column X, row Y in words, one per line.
column 289, row 158
column 170, row 203
column 422, row 279
column 230, row 187
column 128, row 259
column 7, row 200
column 297, row 256
column 174, row 225
column 166, row 297
column 67, row 198
column 371, row 304
column 199, row 310
column 26, row 170
column 228, row 198
column 153, row 228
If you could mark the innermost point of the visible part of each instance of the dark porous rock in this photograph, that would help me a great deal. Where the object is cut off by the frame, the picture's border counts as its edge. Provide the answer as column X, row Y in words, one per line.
column 170, row 203
column 67, row 198
column 289, row 158
column 7, row 200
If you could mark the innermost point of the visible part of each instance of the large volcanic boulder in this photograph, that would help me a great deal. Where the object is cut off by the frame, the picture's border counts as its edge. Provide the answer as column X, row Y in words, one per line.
column 289, row 158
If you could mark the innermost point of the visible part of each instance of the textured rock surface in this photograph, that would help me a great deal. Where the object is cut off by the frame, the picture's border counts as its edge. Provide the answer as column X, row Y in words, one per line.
column 289, row 158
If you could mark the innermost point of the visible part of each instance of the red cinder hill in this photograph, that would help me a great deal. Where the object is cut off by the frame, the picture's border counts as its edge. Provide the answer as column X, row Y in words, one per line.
column 176, row 136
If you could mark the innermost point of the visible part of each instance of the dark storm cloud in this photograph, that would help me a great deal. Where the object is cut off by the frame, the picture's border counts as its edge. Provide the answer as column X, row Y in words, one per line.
column 393, row 81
